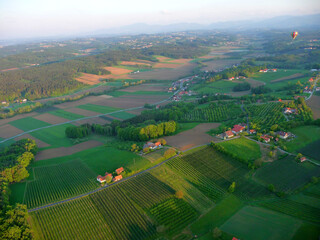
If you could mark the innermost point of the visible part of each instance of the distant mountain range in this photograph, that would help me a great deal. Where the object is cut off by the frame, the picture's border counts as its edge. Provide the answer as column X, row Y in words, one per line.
column 283, row 22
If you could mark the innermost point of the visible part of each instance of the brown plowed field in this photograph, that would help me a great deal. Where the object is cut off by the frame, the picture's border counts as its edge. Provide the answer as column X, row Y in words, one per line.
column 145, row 87
column 40, row 143
column 82, row 112
column 293, row 76
column 65, row 151
column 90, row 79
column 215, row 65
column 52, row 119
column 180, row 61
column 7, row 131
column 193, row 137
column 163, row 59
column 314, row 104
column 129, row 63
column 117, row 71
column 166, row 65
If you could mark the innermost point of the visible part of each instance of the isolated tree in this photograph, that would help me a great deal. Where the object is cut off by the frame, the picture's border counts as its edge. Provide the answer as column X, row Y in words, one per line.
column 216, row 233
column 257, row 163
column 179, row 194
column 271, row 187
column 232, row 187
column 133, row 147
column 162, row 141
column 108, row 178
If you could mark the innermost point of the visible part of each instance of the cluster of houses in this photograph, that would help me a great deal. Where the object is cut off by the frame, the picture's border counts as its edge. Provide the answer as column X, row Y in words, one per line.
column 152, row 146
column 236, row 130
column 268, row 70
column 240, row 77
column 283, row 135
column 103, row 179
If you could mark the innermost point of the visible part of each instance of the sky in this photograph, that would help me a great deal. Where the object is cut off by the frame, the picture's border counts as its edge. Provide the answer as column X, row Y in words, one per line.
column 38, row 18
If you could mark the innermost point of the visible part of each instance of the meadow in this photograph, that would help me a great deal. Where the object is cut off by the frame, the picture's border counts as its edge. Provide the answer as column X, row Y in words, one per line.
column 243, row 148
column 123, row 115
column 65, row 114
column 28, row 123
column 98, row 108
column 267, row 224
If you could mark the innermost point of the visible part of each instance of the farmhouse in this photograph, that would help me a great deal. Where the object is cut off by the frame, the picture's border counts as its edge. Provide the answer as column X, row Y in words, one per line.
column 266, row 138
column 252, row 131
column 104, row 179
column 231, row 78
column 119, row 170
column 237, row 129
column 302, row 159
column 290, row 110
column 311, row 80
column 152, row 145
column 227, row 134
column 117, row 178
column 283, row 135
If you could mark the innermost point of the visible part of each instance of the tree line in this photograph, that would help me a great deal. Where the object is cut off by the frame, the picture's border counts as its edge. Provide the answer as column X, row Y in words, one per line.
column 14, row 161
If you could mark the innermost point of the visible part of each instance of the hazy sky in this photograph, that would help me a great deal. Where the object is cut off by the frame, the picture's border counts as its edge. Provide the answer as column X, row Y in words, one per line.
column 32, row 18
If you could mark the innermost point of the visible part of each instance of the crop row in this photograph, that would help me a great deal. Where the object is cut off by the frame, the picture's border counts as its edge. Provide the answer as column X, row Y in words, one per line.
column 213, row 114
column 294, row 209
column 59, row 182
column 146, row 190
column 124, row 219
column 78, row 219
column 174, row 214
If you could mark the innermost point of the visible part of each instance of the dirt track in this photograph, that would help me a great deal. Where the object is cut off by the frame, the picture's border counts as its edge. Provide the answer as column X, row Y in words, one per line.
column 193, row 137
column 65, row 151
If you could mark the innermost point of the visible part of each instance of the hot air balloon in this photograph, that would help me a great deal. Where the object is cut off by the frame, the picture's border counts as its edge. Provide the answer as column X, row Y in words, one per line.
column 294, row 35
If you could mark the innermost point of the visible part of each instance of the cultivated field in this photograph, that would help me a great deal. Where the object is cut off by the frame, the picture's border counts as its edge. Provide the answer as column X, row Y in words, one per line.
column 65, row 151
column 49, row 118
column 314, row 104
column 219, row 64
column 90, row 79
column 193, row 137
column 256, row 223
column 39, row 143
column 7, row 131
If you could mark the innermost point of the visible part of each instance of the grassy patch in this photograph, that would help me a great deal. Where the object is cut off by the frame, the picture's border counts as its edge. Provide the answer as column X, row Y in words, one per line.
column 305, row 135
column 28, row 123
column 98, row 108
column 137, row 93
column 221, row 86
column 123, row 115
column 217, row 216
column 257, row 223
column 311, row 150
column 244, row 148
column 55, row 136
column 65, row 114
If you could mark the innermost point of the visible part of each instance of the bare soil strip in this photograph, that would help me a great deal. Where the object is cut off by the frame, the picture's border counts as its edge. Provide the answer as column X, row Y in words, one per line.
column 52, row 119
column 145, row 87
column 131, row 63
column 82, row 101
column 66, row 151
column 294, row 76
column 90, row 79
column 193, row 137
column 40, row 143
column 7, row 131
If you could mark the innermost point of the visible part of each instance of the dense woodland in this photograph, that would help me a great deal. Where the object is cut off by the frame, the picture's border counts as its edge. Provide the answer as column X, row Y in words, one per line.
column 14, row 161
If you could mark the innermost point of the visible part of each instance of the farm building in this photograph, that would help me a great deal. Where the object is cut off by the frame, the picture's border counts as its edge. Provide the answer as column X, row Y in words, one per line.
column 282, row 134
column 237, row 129
column 152, row 145
column 104, row 179
column 266, row 138
column 252, row 131
column 117, row 178
column 227, row 134
column 302, row 159
column 119, row 170
column 290, row 110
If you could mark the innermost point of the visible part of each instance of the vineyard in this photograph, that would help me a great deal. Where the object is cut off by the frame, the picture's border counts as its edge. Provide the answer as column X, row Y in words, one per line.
column 286, row 174
column 190, row 193
column 213, row 114
column 295, row 209
column 211, row 168
column 174, row 214
column 265, row 115
column 146, row 190
column 59, row 182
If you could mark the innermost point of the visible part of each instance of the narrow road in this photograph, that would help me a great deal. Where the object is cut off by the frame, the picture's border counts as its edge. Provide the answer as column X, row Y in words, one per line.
column 315, row 85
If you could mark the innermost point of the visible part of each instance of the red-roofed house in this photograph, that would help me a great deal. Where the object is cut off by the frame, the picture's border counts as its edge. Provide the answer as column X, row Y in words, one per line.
column 119, row 170
column 237, row 129
column 266, row 138
column 117, row 178
column 234, row 238
column 101, row 179
column 311, row 80
column 158, row 144
column 290, row 110
column 252, row 131
column 283, row 135
column 227, row 134
column 302, row 159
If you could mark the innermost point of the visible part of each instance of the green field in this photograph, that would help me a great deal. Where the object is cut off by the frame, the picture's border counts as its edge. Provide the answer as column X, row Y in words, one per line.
column 253, row 223
column 137, row 93
column 17, row 192
column 65, row 114
column 304, row 136
column 286, row 174
column 222, row 86
column 54, row 136
column 28, row 123
column 243, row 148
column 123, row 115
column 311, row 150
column 59, row 182
column 98, row 108
column 216, row 216
column 269, row 76
column 307, row 231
